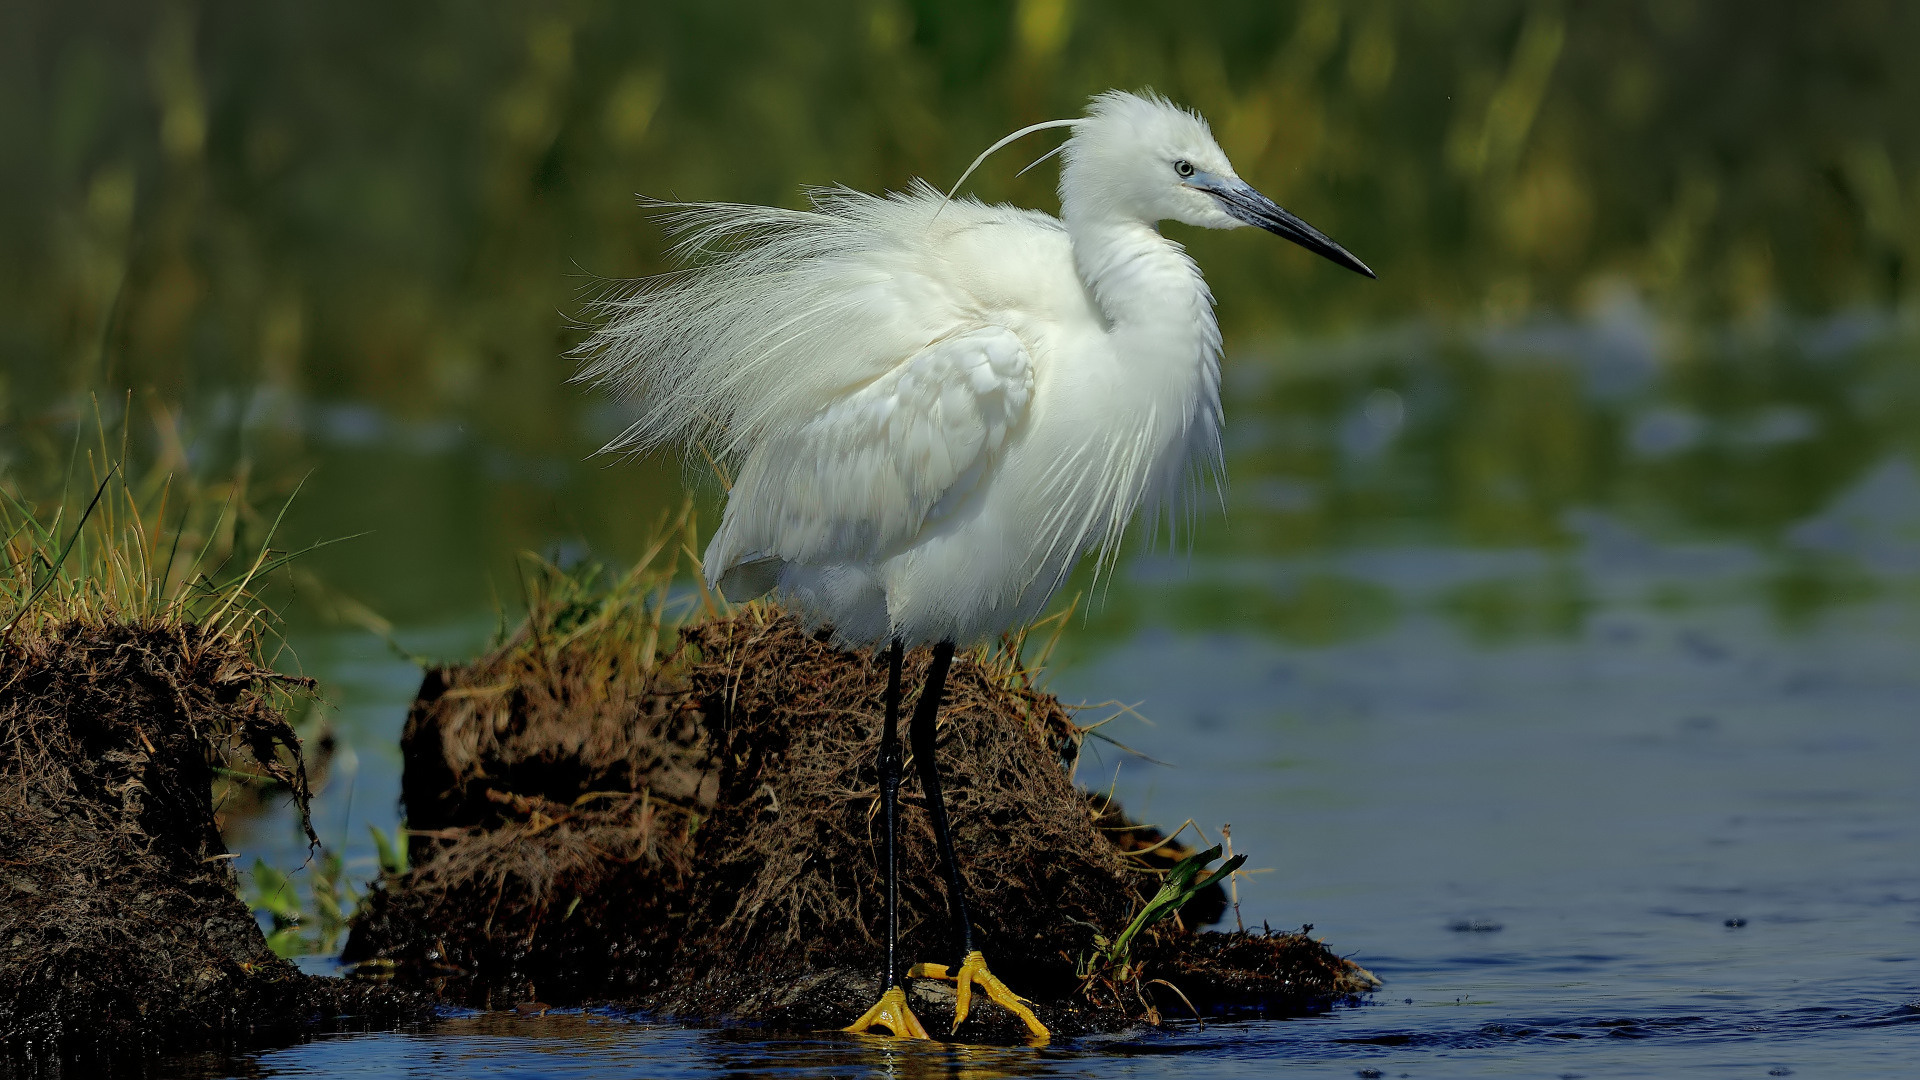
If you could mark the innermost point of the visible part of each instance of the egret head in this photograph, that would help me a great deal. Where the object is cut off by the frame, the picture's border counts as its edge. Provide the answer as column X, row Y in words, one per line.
column 1143, row 158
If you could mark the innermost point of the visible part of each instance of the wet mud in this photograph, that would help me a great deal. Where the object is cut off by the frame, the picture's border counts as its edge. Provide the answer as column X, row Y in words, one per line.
column 696, row 834
column 121, row 932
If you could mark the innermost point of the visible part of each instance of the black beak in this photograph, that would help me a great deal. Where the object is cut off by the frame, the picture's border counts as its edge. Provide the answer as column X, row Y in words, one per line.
column 1239, row 199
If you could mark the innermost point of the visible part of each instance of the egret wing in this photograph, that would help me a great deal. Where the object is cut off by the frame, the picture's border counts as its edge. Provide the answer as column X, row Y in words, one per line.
column 874, row 469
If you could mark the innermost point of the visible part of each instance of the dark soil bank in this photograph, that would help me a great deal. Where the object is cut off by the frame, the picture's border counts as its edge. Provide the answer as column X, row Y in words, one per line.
column 121, row 934
column 697, row 836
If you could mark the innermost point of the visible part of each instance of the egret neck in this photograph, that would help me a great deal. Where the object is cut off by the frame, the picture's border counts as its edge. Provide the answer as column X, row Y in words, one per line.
column 1156, row 304
column 1166, row 343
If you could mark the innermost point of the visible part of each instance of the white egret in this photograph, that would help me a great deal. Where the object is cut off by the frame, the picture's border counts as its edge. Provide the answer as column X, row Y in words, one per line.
column 938, row 407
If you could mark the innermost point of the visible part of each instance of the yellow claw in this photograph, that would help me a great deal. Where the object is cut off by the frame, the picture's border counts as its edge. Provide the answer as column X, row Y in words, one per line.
column 974, row 970
column 890, row 1012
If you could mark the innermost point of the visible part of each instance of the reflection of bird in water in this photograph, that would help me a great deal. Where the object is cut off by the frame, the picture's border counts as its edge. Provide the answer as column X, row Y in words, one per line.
column 938, row 407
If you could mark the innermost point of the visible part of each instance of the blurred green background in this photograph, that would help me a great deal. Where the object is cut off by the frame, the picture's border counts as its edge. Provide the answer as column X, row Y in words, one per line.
column 1646, row 264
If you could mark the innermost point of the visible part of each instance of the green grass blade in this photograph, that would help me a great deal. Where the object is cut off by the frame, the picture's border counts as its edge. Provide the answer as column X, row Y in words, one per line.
column 6, row 634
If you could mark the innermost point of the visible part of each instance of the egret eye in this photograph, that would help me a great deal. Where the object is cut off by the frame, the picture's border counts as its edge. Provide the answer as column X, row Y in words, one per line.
column 1183, row 167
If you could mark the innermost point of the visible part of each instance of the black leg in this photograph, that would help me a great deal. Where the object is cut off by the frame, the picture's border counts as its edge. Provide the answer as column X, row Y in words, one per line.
column 921, row 734
column 891, row 1011
column 890, row 769
column 971, row 971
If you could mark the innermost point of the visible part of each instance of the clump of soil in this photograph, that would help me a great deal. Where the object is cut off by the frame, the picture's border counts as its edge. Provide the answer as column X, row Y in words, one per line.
column 121, row 933
column 698, row 836
column 790, row 881
column 552, row 790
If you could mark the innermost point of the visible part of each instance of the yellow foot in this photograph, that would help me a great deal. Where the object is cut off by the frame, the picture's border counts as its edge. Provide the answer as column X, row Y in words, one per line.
column 891, row 1012
column 974, row 970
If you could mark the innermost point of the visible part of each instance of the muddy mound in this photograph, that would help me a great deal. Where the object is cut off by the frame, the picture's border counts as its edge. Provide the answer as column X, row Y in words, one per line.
column 120, row 929
column 791, row 863
column 696, row 833
column 551, row 789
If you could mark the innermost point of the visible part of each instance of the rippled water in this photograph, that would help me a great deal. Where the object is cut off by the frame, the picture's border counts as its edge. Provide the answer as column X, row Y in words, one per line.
column 1365, row 1043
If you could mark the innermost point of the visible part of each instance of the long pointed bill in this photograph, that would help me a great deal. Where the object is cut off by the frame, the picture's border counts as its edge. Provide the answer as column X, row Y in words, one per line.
column 1238, row 198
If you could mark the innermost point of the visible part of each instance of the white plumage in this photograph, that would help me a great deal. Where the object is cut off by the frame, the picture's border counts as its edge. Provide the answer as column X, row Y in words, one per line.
column 936, row 407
